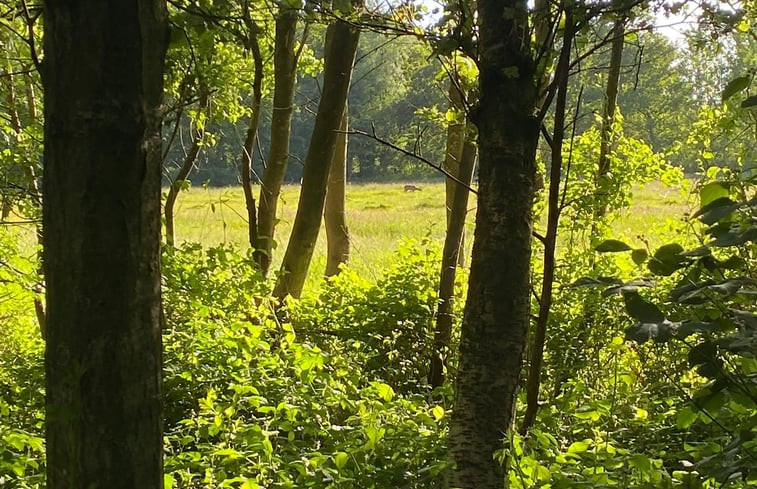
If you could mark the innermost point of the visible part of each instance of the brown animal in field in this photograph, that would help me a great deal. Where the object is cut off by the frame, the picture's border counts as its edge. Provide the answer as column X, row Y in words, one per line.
column 412, row 188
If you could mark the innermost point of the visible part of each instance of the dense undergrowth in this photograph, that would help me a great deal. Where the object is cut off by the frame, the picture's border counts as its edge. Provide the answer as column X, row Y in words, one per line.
column 332, row 393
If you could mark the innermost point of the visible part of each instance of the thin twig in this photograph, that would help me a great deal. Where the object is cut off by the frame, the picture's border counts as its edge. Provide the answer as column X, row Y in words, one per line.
column 410, row 154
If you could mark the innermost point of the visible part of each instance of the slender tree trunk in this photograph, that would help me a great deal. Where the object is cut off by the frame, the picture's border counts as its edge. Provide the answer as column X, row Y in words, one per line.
column 245, row 169
column 284, row 79
column 608, row 117
column 186, row 167
column 341, row 45
column 454, row 146
column 550, row 239
column 453, row 155
column 496, row 314
column 103, row 80
column 31, row 183
column 450, row 258
column 337, row 233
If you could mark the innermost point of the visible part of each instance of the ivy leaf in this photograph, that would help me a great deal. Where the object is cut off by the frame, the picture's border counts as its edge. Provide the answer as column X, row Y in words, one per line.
column 641, row 310
column 612, row 246
column 735, row 86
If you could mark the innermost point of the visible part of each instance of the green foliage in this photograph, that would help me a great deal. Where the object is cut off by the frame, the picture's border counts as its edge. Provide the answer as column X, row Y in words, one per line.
column 249, row 400
column 388, row 324
column 708, row 309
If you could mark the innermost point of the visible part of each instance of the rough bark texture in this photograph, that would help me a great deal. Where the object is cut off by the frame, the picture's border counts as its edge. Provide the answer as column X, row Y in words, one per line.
column 284, row 79
column 497, row 309
column 341, row 45
column 550, row 238
column 103, row 78
column 245, row 168
column 186, row 167
column 335, row 220
column 458, row 210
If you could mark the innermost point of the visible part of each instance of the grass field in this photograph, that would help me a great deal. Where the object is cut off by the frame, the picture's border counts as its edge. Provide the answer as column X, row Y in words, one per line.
column 380, row 215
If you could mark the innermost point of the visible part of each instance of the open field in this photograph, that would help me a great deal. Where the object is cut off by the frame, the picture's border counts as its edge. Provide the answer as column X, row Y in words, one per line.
column 380, row 215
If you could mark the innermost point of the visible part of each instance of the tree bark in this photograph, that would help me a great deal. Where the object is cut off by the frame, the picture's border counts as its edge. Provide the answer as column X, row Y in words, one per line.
column 608, row 116
column 186, row 167
column 550, row 238
column 245, row 168
column 458, row 210
column 337, row 233
column 103, row 79
column 341, row 45
column 497, row 310
column 454, row 145
column 284, row 79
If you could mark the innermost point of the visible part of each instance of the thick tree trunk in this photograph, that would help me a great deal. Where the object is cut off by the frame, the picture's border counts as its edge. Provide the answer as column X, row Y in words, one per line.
column 186, row 167
column 458, row 210
column 337, row 233
column 103, row 78
column 284, row 79
column 245, row 168
column 550, row 238
column 497, row 310
column 341, row 45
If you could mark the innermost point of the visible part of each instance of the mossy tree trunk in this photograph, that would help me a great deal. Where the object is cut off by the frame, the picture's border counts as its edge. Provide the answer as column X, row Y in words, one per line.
column 284, row 79
column 335, row 220
column 103, row 79
column 341, row 46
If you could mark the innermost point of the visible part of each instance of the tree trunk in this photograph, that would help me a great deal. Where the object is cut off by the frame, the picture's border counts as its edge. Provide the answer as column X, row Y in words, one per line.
column 550, row 239
column 454, row 145
column 32, row 188
column 337, row 233
column 341, row 45
column 103, row 80
column 284, row 79
column 608, row 117
column 245, row 168
column 186, row 167
column 458, row 210
column 497, row 310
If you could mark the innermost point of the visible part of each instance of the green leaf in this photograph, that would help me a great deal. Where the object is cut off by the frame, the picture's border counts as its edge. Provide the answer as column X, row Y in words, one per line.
column 639, row 256
column 385, row 392
column 749, row 102
column 340, row 459
column 437, row 412
column 641, row 310
column 666, row 260
column 686, row 417
column 595, row 282
column 735, row 86
column 643, row 332
column 711, row 192
column 611, row 246
column 167, row 481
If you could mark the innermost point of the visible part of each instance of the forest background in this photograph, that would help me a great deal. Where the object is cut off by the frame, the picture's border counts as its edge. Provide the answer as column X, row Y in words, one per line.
column 629, row 360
